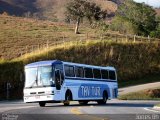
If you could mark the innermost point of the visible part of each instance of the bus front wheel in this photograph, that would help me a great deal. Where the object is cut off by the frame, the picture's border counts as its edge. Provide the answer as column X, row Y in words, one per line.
column 68, row 98
column 42, row 104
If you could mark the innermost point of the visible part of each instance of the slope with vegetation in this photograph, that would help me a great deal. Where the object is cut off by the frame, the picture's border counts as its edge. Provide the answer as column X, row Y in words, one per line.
column 149, row 94
column 132, row 60
column 44, row 9
column 21, row 35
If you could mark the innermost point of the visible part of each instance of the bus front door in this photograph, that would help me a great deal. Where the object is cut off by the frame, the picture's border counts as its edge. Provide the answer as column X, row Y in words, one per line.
column 58, row 79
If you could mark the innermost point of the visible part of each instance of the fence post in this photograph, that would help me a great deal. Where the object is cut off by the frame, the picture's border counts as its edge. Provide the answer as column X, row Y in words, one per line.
column 47, row 44
column 87, row 36
column 32, row 48
column 8, row 90
column 116, row 39
column 126, row 38
column 149, row 39
column 63, row 38
column 26, row 49
column 134, row 38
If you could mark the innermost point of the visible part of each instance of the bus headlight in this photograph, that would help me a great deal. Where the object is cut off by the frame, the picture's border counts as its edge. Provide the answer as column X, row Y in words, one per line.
column 50, row 92
column 26, row 94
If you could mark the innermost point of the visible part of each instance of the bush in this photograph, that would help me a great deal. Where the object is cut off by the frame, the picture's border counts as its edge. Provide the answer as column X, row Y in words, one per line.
column 123, row 26
column 155, row 93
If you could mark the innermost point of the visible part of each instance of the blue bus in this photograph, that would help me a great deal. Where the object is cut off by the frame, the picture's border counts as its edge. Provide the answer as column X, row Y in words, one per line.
column 59, row 81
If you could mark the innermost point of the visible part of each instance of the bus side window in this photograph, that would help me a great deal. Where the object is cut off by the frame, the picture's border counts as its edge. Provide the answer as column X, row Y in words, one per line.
column 79, row 71
column 69, row 71
column 88, row 72
column 104, row 74
column 112, row 75
column 97, row 73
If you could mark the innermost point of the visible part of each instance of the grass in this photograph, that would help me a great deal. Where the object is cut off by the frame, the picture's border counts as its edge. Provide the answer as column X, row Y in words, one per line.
column 158, row 105
column 150, row 94
column 132, row 60
column 25, row 35
column 143, row 80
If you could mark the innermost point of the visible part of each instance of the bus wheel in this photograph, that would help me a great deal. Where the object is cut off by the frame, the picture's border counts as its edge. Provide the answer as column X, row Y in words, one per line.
column 67, row 99
column 42, row 104
column 104, row 100
column 83, row 102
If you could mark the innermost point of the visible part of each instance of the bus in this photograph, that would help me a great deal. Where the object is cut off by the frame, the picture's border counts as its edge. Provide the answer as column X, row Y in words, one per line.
column 59, row 81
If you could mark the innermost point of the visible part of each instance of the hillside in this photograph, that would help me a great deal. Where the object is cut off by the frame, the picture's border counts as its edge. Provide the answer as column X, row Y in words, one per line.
column 158, row 11
column 49, row 9
column 132, row 61
column 45, row 9
column 17, row 7
column 21, row 35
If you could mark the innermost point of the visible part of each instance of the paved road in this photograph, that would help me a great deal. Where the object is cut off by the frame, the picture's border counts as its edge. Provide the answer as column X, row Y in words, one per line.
column 137, row 88
column 113, row 110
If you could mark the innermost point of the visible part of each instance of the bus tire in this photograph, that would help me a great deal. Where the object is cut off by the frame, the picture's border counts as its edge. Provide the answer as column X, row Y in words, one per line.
column 68, row 98
column 42, row 104
column 104, row 100
column 83, row 102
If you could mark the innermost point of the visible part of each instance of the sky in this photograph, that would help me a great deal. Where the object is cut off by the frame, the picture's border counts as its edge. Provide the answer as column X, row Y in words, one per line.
column 154, row 3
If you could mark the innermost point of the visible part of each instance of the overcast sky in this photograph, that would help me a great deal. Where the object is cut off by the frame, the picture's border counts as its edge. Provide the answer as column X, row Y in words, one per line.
column 155, row 3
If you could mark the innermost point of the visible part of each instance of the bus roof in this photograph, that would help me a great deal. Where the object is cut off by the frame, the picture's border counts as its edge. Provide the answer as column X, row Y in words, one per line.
column 90, row 66
column 42, row 63
column 51, row 62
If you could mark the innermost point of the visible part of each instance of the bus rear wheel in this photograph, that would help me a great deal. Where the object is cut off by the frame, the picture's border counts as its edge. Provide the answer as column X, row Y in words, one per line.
column 42, row 104
column 104, row 100
column 83, row 102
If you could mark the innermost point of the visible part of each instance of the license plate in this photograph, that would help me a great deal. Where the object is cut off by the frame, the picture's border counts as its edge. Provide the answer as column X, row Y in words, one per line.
column 37, row 97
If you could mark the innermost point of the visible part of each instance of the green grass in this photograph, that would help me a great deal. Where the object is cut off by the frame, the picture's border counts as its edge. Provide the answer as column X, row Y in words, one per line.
column 154, row 77
column 158, row 105
column 151, row 94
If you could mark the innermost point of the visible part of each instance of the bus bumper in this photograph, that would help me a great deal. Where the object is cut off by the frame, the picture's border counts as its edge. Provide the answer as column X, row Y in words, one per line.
column 38, row 98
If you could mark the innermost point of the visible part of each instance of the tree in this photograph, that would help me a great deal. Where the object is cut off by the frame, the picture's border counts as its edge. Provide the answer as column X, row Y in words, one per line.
column 156, row 33
column 122, row 25
column 79, row 9
column 140, row 15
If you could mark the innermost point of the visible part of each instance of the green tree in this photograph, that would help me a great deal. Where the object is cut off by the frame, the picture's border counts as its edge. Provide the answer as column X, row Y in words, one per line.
column 79, row 9
column 122, row 25
column 156, row 33
column 140, row 15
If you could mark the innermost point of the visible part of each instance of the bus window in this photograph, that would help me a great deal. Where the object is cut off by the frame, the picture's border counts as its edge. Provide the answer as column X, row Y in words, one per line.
column 79, row 72
column 69, row 71
column 104, row 74
column 112, row 75
column 97, row 73
column 88, row 73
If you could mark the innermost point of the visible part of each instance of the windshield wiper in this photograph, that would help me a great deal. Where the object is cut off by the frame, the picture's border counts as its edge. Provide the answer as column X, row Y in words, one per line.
column 35, row 81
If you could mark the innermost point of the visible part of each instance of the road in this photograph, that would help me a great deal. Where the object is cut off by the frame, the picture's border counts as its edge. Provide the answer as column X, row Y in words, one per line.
column 113, row 110
column 137, row 88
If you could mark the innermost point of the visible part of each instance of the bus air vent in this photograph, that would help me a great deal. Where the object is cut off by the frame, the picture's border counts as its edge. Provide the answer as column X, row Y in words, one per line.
column 32, row 93
column 41, row 92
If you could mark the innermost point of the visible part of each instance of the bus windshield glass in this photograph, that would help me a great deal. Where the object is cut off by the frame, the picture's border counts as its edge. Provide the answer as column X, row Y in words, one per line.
column 39, row 76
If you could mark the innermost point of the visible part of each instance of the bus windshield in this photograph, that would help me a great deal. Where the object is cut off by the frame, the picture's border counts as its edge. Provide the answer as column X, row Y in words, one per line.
column 39, row 76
